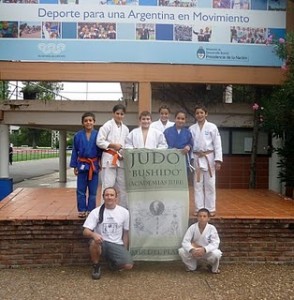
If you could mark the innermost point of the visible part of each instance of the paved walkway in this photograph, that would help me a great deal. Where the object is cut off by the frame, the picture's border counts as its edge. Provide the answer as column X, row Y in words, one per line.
column 50, row 180
column 32, row 169
column 60, row 199
column 45, row 202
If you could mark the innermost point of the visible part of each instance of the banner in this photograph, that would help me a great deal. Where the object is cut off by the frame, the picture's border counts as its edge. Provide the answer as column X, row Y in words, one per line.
column 204, row 32
column 158, row 198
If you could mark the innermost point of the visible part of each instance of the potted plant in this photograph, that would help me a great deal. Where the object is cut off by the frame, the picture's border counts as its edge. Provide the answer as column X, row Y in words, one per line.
column 30, row 90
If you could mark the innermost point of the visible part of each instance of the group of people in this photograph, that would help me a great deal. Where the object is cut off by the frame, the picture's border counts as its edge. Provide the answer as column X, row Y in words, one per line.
column 97, row 31
column 248, row 35
column 203, row 35
column 107, row 226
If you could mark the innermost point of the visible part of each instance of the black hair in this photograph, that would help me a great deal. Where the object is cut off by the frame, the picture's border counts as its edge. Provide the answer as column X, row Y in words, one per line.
column 181, row 112
column 118, row 107
column 200, row 106
column 102, row 208
column 145, row 113
column 101, row 213
column 205, row 210
column 164, row 106
column 87, row 114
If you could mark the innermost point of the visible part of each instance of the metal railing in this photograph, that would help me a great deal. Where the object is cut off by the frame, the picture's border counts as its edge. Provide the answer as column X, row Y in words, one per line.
column 20, row 154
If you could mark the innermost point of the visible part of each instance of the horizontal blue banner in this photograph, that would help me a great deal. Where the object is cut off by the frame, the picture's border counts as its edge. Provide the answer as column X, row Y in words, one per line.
column 201, row 32
column 130, row 51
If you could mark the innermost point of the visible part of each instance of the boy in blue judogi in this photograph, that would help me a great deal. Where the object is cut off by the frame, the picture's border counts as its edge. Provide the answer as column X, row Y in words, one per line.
column 85, row 161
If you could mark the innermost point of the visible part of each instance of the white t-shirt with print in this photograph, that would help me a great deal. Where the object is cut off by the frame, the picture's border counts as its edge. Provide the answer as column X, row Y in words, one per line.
column 115, row 221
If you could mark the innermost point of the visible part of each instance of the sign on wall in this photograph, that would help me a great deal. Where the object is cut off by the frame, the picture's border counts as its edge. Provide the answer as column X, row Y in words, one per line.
column 158, row 198
column 200, row 32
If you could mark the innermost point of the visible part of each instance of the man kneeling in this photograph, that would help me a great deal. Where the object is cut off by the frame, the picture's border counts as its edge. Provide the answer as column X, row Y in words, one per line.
column 201, row 241
column 108, row 228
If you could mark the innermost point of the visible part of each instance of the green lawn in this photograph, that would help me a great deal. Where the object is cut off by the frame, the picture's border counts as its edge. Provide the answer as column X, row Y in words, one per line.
column 30, row 154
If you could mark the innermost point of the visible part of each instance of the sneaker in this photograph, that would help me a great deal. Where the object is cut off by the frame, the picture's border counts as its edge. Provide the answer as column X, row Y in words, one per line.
column 96, row 273
column 112, row 266
column 188, row 270
column 82, row 214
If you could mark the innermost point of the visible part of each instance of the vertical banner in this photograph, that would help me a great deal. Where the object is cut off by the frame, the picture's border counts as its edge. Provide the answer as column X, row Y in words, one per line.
column 157, row 187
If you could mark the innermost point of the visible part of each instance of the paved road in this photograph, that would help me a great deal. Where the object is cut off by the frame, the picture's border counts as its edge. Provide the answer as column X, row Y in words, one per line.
column 24, row 170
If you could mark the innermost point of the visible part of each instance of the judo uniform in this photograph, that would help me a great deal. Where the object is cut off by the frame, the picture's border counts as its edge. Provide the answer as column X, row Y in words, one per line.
column 113, row 169
column 155, row 139
column 160, row 126
column 207, row 149
column 179, row 139
column 85, row 157
column 209, row 239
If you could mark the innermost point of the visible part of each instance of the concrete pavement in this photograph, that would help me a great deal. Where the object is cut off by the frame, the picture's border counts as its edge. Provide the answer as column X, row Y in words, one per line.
column 39, row 173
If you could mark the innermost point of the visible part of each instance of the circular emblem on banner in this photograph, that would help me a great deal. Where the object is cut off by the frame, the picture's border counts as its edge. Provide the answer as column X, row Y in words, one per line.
column 156, row 208
column 201, row 53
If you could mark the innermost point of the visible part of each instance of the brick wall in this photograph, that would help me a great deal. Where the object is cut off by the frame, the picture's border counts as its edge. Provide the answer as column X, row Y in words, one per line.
column 42, row 243
column 54, row 243
column 257, row 240
column 236, row 170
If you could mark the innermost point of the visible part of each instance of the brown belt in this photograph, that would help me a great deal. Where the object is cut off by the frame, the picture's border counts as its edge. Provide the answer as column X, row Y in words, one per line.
column 203, row 154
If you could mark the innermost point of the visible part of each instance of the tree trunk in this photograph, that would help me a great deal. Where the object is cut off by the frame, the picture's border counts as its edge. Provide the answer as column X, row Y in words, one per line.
column 289, row 192
column 255, row 134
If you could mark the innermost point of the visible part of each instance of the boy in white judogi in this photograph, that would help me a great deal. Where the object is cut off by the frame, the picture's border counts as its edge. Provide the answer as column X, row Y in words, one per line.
column 201, row 241
column 207, row 154
column 144, row 136
column 111, row 138
column 163, row 122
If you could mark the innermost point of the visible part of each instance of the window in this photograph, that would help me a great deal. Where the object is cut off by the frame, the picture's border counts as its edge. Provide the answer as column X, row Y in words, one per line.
column 239, row 141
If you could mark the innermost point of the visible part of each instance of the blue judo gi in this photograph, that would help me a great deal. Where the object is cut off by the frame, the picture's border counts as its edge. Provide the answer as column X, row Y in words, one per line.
column 85, row 157
column 176, row 140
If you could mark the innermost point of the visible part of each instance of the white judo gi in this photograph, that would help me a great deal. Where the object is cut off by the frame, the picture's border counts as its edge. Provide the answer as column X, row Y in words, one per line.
column 160, row 126
column 207, row 149
column 113, row 174
column 208, row 239
column 155, row 139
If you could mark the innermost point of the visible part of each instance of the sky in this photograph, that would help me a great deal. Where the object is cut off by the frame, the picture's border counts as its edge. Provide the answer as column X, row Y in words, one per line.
column 92, row 91
column 110, row 91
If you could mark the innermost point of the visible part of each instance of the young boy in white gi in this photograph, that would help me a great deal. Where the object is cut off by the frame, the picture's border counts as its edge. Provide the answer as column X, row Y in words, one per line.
column 163, row 122
column 201, row 241
column 111, row 139
column 144, row 136
column 207, row 154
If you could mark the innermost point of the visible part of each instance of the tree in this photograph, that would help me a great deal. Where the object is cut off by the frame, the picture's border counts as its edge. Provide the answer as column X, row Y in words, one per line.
column 184, row 94
column 32, row 137
column 4, row 90
column 279, row 114
column 43, row 90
